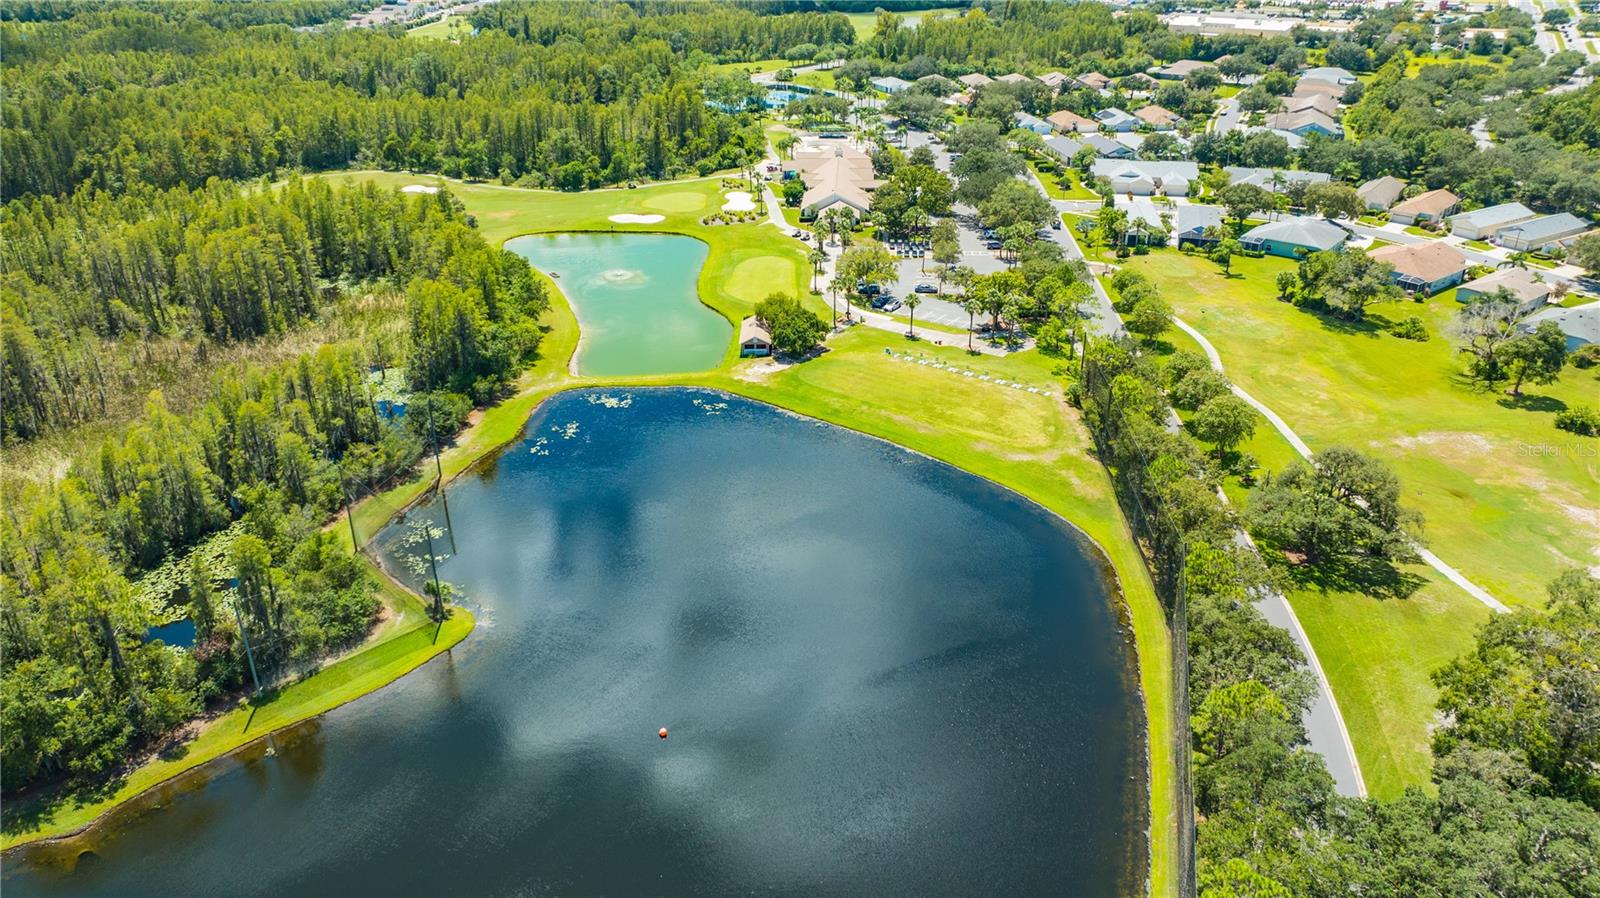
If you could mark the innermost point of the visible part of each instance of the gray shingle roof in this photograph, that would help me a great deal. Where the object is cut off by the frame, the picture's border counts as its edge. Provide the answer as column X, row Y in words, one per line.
column 1318, row 233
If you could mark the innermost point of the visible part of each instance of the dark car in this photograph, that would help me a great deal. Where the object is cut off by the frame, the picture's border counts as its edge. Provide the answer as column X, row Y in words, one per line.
column 994, row 244
column 926, row 288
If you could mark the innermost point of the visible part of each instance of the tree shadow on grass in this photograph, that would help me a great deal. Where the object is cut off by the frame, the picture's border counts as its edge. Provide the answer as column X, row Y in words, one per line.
column 1531, row 403
column 1374, row 577
column 1369, row 325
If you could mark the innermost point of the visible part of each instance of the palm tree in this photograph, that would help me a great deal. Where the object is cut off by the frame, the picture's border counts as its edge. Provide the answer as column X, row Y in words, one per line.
column 917, row 221
column 912, row 301
column 839, row 283
column 970, row 304
column 816, row 257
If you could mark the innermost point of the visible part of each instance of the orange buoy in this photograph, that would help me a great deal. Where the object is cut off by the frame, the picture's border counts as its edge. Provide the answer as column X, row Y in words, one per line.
column 663, row 733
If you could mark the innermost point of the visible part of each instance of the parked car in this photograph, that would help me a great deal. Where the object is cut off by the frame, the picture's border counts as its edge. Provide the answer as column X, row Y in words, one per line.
column 993, row 244
column 892, row 305
column 926, row 288
column 1056, row 224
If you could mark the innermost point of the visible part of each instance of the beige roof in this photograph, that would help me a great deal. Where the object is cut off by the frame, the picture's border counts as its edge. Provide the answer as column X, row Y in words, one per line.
column 1434, row 203
column 1014, row 78
column 751, row 328
column 1067, row 121
column 1054, row 79
column 1519, row 281
column 1322, row 103
column 1156, row 115
column 1094, row 80
column 1288, row 121
column 1383, row 191
column 976, row 79
column 1427, row 262
column 834, row 174
column 1313, row 88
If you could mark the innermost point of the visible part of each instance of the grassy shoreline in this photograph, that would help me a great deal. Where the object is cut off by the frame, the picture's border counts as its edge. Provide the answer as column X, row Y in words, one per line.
column 1028, row 443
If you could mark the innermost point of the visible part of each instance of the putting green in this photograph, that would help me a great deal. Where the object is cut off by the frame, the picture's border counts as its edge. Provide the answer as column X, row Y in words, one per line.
column 677, row 201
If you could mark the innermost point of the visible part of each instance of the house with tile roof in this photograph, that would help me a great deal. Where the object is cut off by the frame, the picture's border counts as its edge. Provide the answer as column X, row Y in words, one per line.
column 1295, row 238
column 1426, row 268
column 1380, row 193
column 1435, row 205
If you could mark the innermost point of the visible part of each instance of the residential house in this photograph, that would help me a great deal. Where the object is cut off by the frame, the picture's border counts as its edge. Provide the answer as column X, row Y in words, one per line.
column 1541, row 234
column 754, row 338
column 890, row 84
column 834, row 174
column 1157, row 117
column 1313, row 103
column 1273, row 179
column 1068, row 122
column 1181, row 224
column 1425, row 268
column 1054, row 80
column 1093, row 80
column 1033, row 123
column 975, row 80
column 1064, row 148
column 1014, row 78
column 1380, row 193
column 1180, row 70
column 1306, row 89
column 1531, row 293
column 1108, row 148
column 1147, row 177
column 1483, row 224
column 1328, row 75
column 1435, row 205
column 1295, row 238
column 1302, row 124
column 1114, row 119
column 1581, row 324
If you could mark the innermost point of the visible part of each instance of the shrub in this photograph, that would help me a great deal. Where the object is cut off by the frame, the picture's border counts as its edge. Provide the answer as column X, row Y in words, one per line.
column 1583, row 420
column 1586, row 356
column 1410, row 329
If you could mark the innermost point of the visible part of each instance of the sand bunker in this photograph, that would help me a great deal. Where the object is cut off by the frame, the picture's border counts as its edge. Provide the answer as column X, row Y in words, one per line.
column 739, row 201
column 418, row 188
column 630, row 218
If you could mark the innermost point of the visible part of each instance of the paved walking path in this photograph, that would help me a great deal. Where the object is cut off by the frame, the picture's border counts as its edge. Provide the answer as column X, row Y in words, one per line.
column 1432, row 560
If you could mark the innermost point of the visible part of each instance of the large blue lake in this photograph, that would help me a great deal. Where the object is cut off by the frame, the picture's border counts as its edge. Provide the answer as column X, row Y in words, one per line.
column 882, row 676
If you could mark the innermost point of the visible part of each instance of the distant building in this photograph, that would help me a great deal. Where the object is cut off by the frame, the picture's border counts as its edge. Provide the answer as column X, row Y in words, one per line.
column 975, row 80
column 1306, row 89
column 1108, row 148
column 1580, row 324
column 1485, row 223
column 1033, row 123
column 1068, row 122
column 1114, row 119
column 1295, row 238
column 1329, row 75
column 1435, row 205
column 1303, row 124
column 1180, row 70
column 1157, row 117
column 1541, row 234
column 1425, row 268
column 1380, row 193
column 1093, row 80
column 891, row 84
column 1147, row 178
column 1054, row 80
column 1273, row 179
column 754, row 338
column 1014, row 78
column 1316, row 102
column 1531, row 293
column 1064, row 148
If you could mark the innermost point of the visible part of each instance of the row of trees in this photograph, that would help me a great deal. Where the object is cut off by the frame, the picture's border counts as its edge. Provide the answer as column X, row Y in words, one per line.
column 1514, row 810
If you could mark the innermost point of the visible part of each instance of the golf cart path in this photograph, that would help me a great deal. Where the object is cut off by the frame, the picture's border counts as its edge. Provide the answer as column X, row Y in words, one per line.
column 1433, row 561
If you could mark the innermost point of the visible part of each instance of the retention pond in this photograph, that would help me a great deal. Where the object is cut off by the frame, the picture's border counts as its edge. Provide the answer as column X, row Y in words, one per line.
column 880, row 676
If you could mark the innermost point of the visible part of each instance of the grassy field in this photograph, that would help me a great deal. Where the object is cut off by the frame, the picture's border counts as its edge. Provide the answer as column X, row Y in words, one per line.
column 397, row 647
column 1510, row 523
column 447, row 28
column 1054, row 188
column 1028, row 442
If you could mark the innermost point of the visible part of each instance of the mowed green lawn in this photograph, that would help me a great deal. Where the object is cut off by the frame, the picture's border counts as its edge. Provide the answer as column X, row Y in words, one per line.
column 443, row 29
column 1378, row 653
column 1026, row 441
column 1508, row 499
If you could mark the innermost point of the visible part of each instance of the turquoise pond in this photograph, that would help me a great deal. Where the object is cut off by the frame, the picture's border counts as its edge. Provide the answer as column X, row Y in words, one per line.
column 635, row 296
